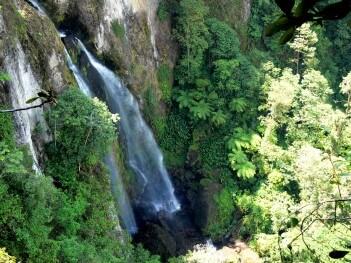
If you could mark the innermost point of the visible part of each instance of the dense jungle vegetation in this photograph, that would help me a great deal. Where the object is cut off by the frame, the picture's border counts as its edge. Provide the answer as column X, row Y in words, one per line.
column 270, row 124
column 267, row 123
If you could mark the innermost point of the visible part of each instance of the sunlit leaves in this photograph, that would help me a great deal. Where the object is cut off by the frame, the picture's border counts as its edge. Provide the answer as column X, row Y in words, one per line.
column 241, row 141
column 314, row 81
column 244, row 168
column 345, row 85
column 304, row 159
column 304, row 44
column 4, row 256
column 281, row 93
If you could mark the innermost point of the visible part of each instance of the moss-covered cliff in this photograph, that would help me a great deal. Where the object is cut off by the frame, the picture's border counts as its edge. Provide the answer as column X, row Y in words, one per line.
column 33, row 55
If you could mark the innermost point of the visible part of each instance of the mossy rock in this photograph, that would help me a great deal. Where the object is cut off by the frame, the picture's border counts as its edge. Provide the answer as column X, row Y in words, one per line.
column 40, row 42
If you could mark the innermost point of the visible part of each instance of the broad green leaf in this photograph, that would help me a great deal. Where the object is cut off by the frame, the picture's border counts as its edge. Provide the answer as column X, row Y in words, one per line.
column 219, row 118
column 201, row 109
column 337, row 254
column 285, row 5
column 32, row 100
column 238, row 105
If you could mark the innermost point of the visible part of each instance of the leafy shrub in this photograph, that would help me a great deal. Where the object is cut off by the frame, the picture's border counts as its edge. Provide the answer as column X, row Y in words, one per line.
column 213, row 152
column 6, row 129
column 163, row 11
column 164, row 79
column 175, row 139
column 83, row 128
column 118, row 29
column 225, row 204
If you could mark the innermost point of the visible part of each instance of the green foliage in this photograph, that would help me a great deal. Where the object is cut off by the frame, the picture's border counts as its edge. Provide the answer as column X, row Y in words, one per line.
column 221, row 98
column 225, row 219
column 164, row 77
column 240, row 144
column 83, row 127
column 152, row 112
column 68, row 218
column 4, row 77
column 200, row 110
column 118, row 29
column 223, row 42
column 212, row 149
column 191, row 32
column 6, row 129
column 175, row 139
column 143, row 256
column 163, row 10
column 301, row 143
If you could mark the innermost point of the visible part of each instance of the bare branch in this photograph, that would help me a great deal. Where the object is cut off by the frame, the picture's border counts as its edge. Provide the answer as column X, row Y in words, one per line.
column 26, row 108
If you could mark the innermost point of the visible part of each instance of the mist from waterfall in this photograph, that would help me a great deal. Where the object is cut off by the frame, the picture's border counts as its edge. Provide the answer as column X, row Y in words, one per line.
column 154, row 189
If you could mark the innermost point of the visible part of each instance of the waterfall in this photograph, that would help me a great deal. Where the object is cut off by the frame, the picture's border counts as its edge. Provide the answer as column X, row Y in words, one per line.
column 37, row 6
column 154, row 188
column 121, row 196
column 118, row 191
column 124, row 208
column 78, row 76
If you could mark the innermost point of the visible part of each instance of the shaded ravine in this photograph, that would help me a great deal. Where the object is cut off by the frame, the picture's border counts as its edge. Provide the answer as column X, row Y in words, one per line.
column 125, row 210
column 153, row 188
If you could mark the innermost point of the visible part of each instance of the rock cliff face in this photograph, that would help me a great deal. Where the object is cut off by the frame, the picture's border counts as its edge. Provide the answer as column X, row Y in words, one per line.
column 32, row 54
column 125, row 33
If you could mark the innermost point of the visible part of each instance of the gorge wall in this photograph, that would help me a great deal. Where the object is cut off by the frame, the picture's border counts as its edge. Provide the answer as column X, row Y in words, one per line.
column 23, row 36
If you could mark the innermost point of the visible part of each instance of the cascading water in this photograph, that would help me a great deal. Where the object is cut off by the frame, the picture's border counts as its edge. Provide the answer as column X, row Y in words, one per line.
column 125, row 210
column 38, row 7
column 78, row 76
column 122, row 199
column 154, row 188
